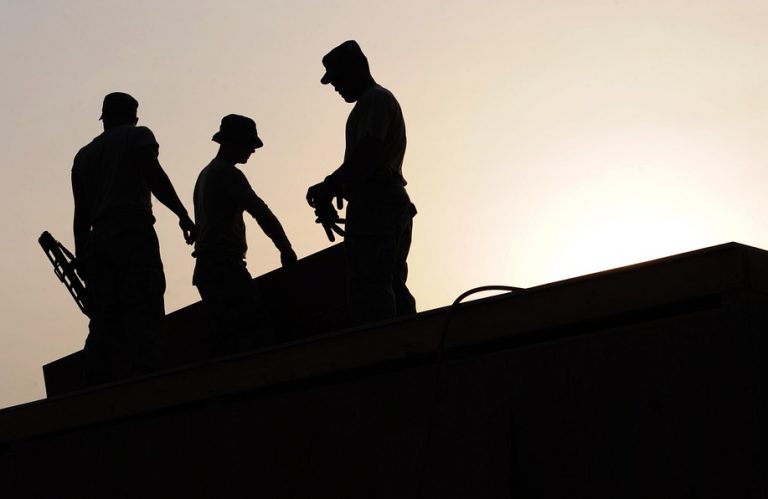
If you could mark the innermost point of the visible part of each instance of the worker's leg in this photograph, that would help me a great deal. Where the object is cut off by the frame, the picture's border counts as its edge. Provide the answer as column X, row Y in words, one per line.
column 404, row 300
column 102, row 352
column 234, row 302
column 370, row 265
column 376, row 246
column 141, row 298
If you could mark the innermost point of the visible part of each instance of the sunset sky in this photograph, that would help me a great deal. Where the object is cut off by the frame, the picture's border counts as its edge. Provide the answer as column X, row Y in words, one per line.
column 546, row 138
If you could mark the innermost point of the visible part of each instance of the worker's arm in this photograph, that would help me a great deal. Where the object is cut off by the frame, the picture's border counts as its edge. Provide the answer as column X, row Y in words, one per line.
column 273, row 229
column 363, row 161
column 162, row 188
column 374, row 116
column 240, row 190
column 80, row 226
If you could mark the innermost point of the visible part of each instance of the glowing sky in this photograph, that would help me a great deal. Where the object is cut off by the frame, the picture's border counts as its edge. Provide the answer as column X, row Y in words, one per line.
column 547, row 138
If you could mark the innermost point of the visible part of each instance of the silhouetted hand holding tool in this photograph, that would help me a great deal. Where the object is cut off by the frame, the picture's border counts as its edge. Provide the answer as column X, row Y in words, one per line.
column 319, row 194
column 64, row 266
column 320, row 197
column 329, row 219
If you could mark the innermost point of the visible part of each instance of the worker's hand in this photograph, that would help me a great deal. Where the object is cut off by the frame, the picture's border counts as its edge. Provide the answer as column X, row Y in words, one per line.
column 332, row 227
column 329, row 219
column 188, row 229
column 318, row 195
column 287, row 257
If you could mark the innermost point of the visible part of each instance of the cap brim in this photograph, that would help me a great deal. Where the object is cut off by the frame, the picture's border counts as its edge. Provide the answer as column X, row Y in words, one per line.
column 117, row 116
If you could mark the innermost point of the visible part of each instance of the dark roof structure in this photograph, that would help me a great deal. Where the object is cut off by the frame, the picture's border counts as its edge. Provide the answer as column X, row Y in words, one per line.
column 644, row 381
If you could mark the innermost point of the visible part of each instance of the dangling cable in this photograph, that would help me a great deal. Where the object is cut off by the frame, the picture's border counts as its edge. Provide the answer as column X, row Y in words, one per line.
column 440, row 364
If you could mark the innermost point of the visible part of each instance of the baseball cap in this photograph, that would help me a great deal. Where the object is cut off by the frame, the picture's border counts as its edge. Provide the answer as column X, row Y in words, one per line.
column 345, row 56
column 119, row 104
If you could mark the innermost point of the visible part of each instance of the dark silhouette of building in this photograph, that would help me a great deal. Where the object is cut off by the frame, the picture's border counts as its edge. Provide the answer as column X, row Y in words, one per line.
column 644, row 381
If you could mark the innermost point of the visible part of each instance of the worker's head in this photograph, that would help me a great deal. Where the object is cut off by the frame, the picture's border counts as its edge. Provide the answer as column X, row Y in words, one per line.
column 118, row 109
column 237, row 138
column 346, row 68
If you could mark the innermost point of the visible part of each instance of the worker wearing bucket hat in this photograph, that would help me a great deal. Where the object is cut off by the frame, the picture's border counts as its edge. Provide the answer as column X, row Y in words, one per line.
column 222, row 194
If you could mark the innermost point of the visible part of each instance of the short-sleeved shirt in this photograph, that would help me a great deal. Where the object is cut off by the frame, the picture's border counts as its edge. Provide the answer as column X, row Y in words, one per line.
column 377, row 114
column 222, row 194
column 108, row 177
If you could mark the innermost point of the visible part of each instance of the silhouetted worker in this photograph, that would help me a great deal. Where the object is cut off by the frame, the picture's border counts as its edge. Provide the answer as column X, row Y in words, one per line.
column 222, row 194
column 379, row 212
column 115, row 242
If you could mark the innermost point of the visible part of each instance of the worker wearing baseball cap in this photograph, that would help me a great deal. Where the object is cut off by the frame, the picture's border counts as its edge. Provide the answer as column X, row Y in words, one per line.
column 118, row 255
column 379, row 213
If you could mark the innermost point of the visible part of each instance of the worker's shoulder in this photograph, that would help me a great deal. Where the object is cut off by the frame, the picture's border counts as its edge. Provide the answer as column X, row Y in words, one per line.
column 140, row 129
column 93, row 143
column 127, row 130
column 377, row 99
column 141, row 135
column 377, row 92
column 88, row 150
column 131, row 136
column 138, row 135
column 221, row 171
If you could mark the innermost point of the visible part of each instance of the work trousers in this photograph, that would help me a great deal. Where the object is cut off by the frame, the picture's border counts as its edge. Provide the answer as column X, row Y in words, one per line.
column 125, row 284
column 379, row 222
column 234, row 302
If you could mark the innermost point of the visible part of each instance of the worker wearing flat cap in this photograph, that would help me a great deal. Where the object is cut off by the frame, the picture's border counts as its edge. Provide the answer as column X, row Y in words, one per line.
column 116, row 245
column 222, row 194
column 379, row 213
